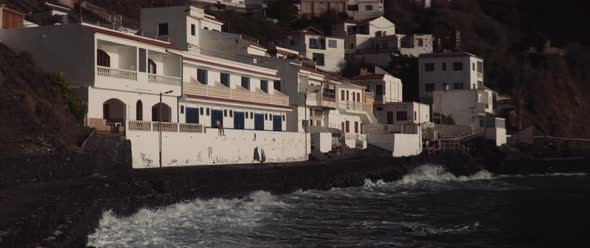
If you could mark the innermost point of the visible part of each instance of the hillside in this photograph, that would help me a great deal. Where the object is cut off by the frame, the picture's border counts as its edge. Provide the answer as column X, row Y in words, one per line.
column 39, row 113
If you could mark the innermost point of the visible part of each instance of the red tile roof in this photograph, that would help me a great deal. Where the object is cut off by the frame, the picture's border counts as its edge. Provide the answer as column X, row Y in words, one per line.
column 368, row 77
column 365, row 21
column 132, row 37
column 308, row 30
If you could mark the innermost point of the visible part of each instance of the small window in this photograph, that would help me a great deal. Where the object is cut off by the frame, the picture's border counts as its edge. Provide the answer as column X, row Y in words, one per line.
column 458, row 86
column 193, row 30
column 444, row 66
column 379, row 108
column 163, row 29
column 277, row 85
column 251, row 115
column 206, row 28
column 429, row 67
column 202, row 76
column 202, row 113
column 479, row 66
column 264, row 85
column 379, row 89
column 332, row 43
column 182, row 109
column 368, row 7
column 246, row 82
column 208, row 111
column 457, row 66
column 103, row 58
column 401, row 116
column 225, row 79
column 342, row 95
column 266, row 117
column 291, row 42
column 415, row 116
column 231, row 113
column 429, row 87
column 473, row 66
column 352, row 7
column 225, row 113
column 318, row 58
column 284, row 117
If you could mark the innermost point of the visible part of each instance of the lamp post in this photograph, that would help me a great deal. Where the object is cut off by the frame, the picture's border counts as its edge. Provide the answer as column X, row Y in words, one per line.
column 305, row 116
column 160, row 125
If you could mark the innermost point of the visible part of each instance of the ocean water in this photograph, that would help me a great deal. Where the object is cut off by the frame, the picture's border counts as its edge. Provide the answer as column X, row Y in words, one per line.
column 427, row 208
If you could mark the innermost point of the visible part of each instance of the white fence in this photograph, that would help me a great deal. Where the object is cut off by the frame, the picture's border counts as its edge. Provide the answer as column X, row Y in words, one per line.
column 116, row 73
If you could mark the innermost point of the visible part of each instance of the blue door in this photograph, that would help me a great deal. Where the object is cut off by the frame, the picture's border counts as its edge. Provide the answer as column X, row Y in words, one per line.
column 216, row 115
column 239, row 121
column 259, row 121
column 277, row 123
column 192, row 115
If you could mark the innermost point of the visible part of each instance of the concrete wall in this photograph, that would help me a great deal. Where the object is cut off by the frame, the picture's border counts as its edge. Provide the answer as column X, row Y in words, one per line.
column 176, row 17
column 401, row 145
column 322, row 142
column 439, row 77
column 130, row 99
column 496, row 134
column 236, row 147
column 464, row 106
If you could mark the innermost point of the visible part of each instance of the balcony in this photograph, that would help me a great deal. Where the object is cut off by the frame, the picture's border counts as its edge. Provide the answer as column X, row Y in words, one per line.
column 163, row 79
column 354, row 106
column 325, row 100
column 116, row 73
column 242, row 95
column 147, row 126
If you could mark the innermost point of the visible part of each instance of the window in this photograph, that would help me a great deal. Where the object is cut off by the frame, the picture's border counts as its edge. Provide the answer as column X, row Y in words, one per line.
column 264, row 85
column 458, row 86
column 415, row 116
column 348, row 126
column 225, row 79
column 246, row 82
column 353, row 97
column 420, row 42
column 401, row 116
column 206, row 28
column 202, row 112
column 457, row 66
column 284, row 118
column 103, row 58
column 379, row 108
column 251, row 115
column 342, row 95
column 192, row 115
column 163, row 29
column 368, row 7
column 152, row 67
column 445, row 86
column 225, row 113
column 291, row 42
column 318, row 58
column 356, row 127
column 277, row 85
column 182, row 109
column 390, row 118
column 266, row 117
column 444, row 66
column 139, row 111
column 202, row 75
column 208, row 111
column 379, row 90
column 479, row 66
column 347, row 95
column 317, row 43
column 352, row 8
column 429, row 87
column 429, row 67
column 473, row 66
column 332, row 43
column 231, row 113
column 193, row 30
column 142, row 59
column 358, row 97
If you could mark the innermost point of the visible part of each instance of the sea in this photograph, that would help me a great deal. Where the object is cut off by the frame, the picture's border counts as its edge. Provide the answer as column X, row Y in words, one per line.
column 429, row 207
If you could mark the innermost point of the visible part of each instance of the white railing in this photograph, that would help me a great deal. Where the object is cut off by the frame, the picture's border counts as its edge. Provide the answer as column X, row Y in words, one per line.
column 139, row 125
column 166, row 127
column 191, row 128
column 356, row 136
column 116, row 73
column 354, row 106
column 163, row 79
column 198, row 89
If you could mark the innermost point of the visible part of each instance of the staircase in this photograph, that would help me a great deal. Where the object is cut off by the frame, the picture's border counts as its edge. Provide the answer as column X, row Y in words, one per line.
column 453, row 144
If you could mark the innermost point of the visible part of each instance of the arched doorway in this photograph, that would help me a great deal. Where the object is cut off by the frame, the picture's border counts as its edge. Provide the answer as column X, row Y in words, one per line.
column 139, row 111
column 166, row 113
column 114, row 110
column 152, row 67
column 103, row 58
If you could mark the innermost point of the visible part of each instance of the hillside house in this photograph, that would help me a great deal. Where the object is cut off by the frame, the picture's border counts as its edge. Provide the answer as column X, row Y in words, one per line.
column 327, row 52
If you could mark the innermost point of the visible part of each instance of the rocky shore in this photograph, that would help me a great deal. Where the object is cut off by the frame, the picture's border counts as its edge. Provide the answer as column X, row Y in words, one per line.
column 41, row 208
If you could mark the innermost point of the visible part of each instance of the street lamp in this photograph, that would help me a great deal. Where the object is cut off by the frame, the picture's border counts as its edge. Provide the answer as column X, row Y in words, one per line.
column 305, row 116
column 160, row 125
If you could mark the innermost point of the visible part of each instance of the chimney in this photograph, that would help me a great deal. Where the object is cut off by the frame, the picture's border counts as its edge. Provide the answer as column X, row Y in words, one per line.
column 364, row 71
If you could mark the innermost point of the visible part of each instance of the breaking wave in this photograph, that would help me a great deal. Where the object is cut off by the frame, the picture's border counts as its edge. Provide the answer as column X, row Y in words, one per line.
column 153, row 228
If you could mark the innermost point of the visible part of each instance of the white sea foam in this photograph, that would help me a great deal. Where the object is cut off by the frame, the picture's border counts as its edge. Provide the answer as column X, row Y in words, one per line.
column 152, row 228
column 430, row 173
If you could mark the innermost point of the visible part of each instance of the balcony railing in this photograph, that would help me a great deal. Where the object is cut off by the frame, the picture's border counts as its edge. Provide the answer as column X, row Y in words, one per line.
column 198, row 89
column 354, row 106
column 149, row 126
column 116, row 73
column 163, row 79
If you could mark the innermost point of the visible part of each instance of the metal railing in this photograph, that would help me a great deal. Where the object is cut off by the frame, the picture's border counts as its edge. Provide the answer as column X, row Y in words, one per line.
column 163, row 79
column 198, row 89
column 149, row 126
column 116, row 73
column 191, row 128
column 166, row 127
column 139, row 125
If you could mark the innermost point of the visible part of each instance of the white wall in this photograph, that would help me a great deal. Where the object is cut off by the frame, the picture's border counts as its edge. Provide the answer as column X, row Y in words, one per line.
column 496, row 134
column 333, row 57
column 236, row 147
column 439, row 77
column 98, row 96
column 176, row 17
column 463, row 105
column 322, row 141
column 401, row 145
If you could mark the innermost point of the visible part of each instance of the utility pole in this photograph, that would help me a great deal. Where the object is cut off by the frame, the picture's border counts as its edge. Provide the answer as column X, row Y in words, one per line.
column 160, row 126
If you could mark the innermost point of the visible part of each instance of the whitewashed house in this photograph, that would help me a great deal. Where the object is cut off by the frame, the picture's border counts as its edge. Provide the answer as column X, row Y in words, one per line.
column 461, row 104
column 364, row 9
column 375, row 41
column 327, row 52
column 356, row 9
column 445, row 71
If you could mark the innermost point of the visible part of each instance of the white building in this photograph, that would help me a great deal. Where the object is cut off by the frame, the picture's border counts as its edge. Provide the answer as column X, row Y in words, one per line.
column 441, row 71
column 356, row 9
column 462, row 107
column 249, row 6
column 326, row 52
column 375, row 41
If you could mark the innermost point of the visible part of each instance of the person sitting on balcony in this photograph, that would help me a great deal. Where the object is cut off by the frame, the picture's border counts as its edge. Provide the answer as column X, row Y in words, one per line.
column 220, row 128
